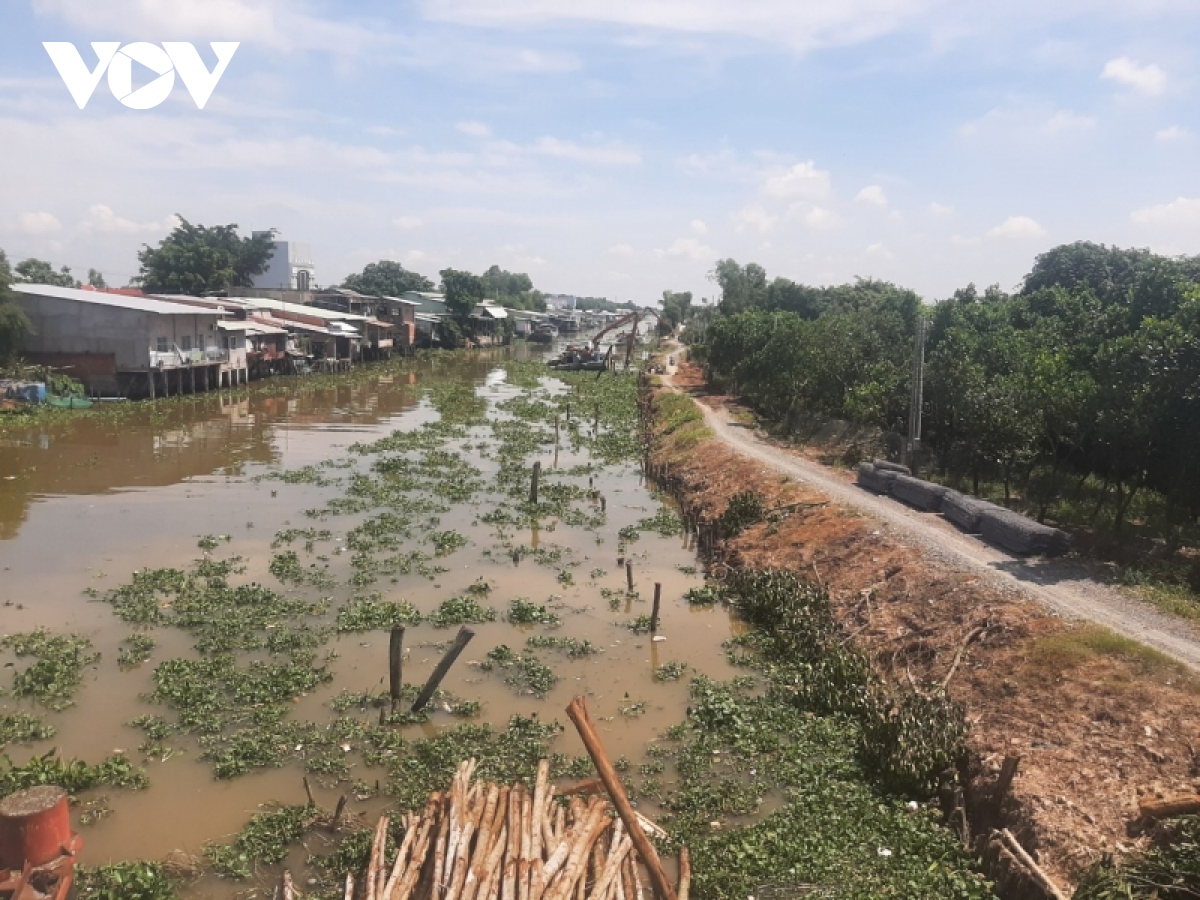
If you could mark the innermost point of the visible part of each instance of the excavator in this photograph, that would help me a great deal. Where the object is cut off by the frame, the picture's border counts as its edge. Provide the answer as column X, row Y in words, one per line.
column 581, row 358
column 633, row 320
column 575, row 358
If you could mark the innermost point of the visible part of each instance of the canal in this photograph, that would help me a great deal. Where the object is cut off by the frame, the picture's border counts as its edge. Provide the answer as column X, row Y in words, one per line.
column 399, row 483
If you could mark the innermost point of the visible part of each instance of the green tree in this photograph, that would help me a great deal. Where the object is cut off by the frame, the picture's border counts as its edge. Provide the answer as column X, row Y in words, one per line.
column 386, row 279
column 676, row 308
column 464, row 292
column 512, row 289
column 742, row 287
column 96, row 279
column 14, row 324
column 194, row 259
column 38, row 271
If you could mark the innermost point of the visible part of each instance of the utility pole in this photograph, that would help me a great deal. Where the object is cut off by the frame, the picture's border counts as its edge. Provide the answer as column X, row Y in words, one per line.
column 918, row 394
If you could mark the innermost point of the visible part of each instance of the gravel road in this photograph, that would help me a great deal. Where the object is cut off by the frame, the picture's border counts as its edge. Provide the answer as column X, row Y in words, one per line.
column 1061, row 585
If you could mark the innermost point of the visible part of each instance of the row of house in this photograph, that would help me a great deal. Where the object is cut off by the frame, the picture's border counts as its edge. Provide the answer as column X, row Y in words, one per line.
column 124, row 342
column 127, row 343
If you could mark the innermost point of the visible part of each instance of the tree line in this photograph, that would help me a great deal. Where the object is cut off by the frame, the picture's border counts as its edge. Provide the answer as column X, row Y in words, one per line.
column 1083, row 383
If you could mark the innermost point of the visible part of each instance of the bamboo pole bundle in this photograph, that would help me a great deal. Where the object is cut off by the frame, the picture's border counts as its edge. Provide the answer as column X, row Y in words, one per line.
column 485, row 841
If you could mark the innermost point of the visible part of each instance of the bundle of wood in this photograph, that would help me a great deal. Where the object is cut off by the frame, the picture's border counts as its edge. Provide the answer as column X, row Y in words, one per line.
column 923, row 495
column 1018, row 534
column 479, row 841
column 964, row 510
column 874, row 478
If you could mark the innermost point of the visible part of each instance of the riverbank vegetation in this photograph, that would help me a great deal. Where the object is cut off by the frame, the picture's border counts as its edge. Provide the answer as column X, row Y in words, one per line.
column 1075, row 398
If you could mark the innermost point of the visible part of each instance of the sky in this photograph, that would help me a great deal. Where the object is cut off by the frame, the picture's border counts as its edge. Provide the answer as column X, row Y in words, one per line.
column 619, row 148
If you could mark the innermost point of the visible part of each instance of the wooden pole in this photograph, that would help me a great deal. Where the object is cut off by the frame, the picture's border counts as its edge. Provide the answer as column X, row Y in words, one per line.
column 629, row 574
column 533, row 481
column 1008, row 771
column 1151, row 808
column 460, row 644
column 556, row 426
column 395, row 662
column 603, row 504
column 616, row 793
column 654, row 610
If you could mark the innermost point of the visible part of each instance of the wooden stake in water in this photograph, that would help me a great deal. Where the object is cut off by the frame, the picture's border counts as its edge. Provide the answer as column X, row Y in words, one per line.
column 395, row 660
column 603, row 504
column 556, row 432
column 460, row 644
column 533, row 482
column 629, row 574
column 654, row 610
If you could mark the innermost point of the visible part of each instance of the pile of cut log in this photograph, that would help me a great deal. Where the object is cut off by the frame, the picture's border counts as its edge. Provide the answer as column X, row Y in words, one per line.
column 924, row 495
column 1018, row 534
column 480, row 840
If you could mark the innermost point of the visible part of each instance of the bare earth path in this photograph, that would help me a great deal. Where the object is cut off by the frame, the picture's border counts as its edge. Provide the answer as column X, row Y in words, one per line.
column 1064, row 587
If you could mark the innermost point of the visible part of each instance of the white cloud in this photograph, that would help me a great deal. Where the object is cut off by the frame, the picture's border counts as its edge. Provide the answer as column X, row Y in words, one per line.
column 940, row 209
column 816, row 217
column 271, row 23
column 754, row 217
column 1183, row 211
column 1068, row 121
column 537, row 61
column 880, row 251
column 872, row 195
column 1172, row 133
column 101, row 219
column 619, row 250
column 699, row 227
column 39, row 223
column 803, row 26
column 1001, row 122
column 687, row 248
column 1017, row 227
column 614, row 153
column 407, row 223
column 415, row 256
column 474, row 129
column 1149, row 79
column 801, row 180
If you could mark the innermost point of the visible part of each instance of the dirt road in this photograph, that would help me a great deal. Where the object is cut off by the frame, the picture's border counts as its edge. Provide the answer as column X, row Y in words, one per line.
column 1064, row 587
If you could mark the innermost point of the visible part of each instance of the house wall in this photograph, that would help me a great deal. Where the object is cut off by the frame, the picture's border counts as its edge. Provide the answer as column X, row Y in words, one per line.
column 127, row 335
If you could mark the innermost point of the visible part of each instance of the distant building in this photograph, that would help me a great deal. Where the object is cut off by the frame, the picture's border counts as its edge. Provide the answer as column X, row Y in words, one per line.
column 291, row 266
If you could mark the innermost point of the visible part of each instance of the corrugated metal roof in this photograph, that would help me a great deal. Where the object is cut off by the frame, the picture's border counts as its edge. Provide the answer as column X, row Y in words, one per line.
column 301, row 309
column 120, row 301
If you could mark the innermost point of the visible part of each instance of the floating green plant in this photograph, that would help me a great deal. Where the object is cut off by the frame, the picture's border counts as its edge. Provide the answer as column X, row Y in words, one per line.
column 522, row 611
column 57, row 670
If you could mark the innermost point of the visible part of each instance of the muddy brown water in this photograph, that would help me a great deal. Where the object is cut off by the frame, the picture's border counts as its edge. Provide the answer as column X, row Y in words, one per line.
column 86, row 502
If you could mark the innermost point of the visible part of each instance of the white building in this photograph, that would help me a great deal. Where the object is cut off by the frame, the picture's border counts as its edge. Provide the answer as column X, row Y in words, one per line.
column 291, row 266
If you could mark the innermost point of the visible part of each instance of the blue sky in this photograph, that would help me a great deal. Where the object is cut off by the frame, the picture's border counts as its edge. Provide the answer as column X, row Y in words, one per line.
column 621, row 147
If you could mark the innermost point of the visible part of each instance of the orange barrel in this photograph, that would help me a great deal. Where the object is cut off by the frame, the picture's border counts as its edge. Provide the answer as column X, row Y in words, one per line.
column 35, row 826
